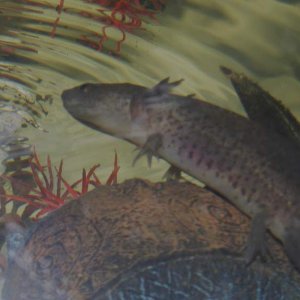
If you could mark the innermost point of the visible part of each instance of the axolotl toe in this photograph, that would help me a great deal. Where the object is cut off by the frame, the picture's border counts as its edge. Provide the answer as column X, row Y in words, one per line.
column 255, row 168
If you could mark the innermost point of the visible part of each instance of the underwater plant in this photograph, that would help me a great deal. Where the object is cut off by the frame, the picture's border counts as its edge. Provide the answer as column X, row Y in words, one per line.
column 49, row 190
column 59, row 9
column 126, row 16
column 42, row 189
column 123, row 15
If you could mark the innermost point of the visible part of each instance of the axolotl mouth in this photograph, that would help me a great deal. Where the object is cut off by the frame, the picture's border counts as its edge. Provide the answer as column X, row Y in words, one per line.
column 80, row 101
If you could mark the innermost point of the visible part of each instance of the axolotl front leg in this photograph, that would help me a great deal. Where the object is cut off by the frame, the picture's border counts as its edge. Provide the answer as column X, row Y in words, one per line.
column 150, row 148
column 154, row 140
column 256, row 244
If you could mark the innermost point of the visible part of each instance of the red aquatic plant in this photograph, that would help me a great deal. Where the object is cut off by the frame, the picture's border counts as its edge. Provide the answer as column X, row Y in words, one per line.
column 51, row 190
column 123, row 15
column 43, row 190
column 59, row 9
column 126, row 16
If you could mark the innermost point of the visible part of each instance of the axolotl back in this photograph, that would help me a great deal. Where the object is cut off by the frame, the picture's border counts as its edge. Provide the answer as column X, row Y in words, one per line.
column 256, row 169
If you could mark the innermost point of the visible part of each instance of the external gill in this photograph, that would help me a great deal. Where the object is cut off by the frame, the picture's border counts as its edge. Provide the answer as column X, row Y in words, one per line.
column 157, row 94
column 161, row 89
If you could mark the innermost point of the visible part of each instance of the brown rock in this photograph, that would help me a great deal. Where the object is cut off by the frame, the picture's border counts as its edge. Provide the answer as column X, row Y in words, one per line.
column 140, row 240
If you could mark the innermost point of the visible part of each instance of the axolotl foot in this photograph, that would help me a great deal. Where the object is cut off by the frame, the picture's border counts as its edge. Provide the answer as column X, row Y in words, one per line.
column 173, row 173
column 291, row 245
column 150, row 148
column 257, row 244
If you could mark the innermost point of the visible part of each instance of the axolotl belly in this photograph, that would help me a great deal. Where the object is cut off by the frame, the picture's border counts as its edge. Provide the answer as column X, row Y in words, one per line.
column 256, row 169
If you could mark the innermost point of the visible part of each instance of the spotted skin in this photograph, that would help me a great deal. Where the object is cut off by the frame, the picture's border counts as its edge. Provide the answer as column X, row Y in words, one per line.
column 252, row 166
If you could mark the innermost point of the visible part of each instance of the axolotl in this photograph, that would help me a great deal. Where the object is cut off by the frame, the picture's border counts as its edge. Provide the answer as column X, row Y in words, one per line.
column 253, row 167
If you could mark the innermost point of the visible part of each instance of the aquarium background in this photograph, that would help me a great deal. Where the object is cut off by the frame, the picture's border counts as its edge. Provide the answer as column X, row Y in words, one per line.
column 49, row 46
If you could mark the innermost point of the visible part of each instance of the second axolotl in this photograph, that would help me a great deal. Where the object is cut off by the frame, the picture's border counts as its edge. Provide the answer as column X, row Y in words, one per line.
column 255, row 168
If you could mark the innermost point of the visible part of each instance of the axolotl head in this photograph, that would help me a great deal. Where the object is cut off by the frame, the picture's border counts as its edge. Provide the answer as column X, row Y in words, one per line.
column 104, row 107
column 121, row 110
